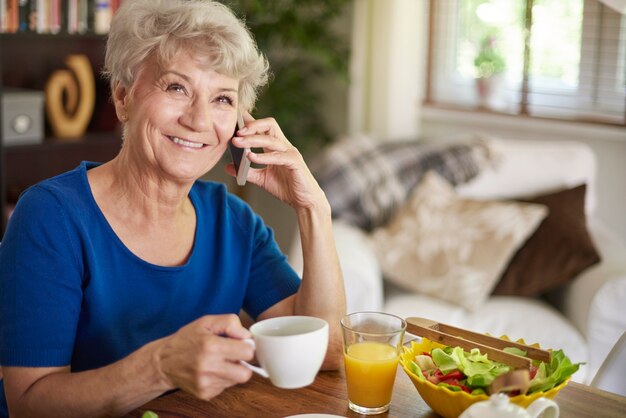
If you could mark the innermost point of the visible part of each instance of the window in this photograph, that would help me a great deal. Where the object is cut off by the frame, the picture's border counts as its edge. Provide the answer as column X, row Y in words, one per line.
column 572, row 64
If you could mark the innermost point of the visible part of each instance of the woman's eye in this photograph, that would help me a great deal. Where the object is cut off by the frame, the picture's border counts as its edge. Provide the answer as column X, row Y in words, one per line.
column 177, row 88
column 225, row 100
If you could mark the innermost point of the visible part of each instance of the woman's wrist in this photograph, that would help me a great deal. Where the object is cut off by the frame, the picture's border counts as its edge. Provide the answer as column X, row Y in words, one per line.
column 318, row 208
column 314, row 216
column 154, row 358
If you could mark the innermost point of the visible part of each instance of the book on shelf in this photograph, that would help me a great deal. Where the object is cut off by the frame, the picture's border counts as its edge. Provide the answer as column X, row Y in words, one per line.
column 57, row 16
column 9, row 16
column 102, row 16
column 82, row 16
column 24, row 15
column 13, row 15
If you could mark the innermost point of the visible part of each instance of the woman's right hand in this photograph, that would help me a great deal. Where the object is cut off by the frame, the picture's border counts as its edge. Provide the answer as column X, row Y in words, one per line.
column 202, row 358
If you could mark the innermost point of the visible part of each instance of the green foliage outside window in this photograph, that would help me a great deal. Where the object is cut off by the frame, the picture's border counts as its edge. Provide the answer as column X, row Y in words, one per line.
column 555, row 43
column 298, row 39
column 489, row 61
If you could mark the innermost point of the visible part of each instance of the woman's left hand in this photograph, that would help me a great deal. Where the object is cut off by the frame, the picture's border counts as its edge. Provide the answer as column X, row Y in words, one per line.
column 287, row 177
column 285, row 174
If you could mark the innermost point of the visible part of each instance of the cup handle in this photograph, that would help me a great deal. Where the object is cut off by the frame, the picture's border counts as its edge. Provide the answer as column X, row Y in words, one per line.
column 548, row 407
column 258, row 370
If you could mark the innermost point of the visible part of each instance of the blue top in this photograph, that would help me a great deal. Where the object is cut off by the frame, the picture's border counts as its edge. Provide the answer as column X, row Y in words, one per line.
column 71, row 292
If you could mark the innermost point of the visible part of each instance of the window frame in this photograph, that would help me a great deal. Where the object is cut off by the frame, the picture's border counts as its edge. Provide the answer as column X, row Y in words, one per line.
column 447, row 87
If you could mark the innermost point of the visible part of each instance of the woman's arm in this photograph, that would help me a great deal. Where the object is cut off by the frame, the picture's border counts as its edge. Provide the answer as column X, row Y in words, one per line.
column 322, row 291
column 109, row 391
column 287, row 177
column 200, row 358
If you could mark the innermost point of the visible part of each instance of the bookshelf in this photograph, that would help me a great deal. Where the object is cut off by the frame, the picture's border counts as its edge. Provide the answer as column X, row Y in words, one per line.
column 27, row 60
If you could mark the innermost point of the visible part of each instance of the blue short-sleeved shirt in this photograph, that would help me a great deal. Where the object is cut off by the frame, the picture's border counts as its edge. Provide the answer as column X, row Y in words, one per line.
column 71, row 293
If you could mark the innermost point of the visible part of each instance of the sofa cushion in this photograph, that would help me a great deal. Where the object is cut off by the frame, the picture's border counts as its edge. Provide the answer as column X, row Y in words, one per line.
column 527, row 168
column 517, row 317
column 557, row 251
column 452, row 248
column 359, row 266
column 606, row 325
column 366, row 180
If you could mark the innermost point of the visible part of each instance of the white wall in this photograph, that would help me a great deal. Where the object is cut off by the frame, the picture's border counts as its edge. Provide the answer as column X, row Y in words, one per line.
column 385, row 94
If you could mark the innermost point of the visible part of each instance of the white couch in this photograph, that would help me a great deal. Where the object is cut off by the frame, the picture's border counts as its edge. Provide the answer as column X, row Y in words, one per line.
column 591, row 316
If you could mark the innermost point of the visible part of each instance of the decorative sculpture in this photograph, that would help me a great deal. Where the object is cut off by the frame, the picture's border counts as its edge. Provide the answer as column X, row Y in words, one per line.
column 70, row 98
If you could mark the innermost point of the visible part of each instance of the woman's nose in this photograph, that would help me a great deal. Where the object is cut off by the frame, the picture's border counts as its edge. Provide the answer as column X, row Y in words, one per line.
column 197, row 116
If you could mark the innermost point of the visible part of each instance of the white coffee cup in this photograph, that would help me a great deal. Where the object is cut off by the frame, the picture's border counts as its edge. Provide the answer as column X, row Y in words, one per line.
column 290, row 349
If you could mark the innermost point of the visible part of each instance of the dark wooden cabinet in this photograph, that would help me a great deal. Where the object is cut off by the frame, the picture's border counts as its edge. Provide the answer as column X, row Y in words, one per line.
column 26, row 61
column 29, row 164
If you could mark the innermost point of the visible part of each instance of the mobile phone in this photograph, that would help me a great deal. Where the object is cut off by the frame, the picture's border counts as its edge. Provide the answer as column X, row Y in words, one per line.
column 239, row 155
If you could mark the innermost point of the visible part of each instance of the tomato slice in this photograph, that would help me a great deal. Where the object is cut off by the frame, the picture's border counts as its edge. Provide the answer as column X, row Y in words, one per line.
column 455, row 374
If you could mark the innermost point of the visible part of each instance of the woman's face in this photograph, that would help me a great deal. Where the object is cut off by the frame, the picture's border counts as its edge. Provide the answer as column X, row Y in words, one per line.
column 180, row 117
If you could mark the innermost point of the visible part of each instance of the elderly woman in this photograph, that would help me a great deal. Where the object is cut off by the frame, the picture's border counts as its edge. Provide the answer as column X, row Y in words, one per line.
column 121, row 281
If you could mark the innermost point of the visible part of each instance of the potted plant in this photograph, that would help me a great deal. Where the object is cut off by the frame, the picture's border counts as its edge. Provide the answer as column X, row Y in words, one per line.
column 489, row 65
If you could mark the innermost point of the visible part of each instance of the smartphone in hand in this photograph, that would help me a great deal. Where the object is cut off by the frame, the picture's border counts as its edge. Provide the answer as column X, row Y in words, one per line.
column 239, row 155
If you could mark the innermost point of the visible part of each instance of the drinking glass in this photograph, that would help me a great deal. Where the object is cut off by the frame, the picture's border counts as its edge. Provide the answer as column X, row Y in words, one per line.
column 371, row 345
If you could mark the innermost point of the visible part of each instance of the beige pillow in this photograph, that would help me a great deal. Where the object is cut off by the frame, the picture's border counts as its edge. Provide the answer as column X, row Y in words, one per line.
column 453, row 248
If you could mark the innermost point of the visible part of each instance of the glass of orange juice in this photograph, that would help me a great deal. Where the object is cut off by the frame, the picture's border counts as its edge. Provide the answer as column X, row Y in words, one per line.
column 371, row 344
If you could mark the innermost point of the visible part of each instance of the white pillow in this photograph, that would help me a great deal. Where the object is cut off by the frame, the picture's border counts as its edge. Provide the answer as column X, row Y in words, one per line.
column 362, row 276
column 452, row 248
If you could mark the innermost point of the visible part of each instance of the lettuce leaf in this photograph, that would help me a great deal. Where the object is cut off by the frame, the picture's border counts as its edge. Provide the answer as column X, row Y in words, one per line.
column 554, row 373
column 416, row 370
column 453, row 388
column 480, row 371
column 515, row 350
column 445, row 362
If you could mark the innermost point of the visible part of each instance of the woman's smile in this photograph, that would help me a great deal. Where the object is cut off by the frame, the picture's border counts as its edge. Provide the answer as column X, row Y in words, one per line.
column 185, row 143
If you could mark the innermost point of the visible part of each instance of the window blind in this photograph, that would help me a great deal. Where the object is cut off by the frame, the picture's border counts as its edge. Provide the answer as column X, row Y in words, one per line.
column 565, row 59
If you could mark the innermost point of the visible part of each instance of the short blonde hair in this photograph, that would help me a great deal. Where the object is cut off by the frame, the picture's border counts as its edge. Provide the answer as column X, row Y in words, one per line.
column 206, row 28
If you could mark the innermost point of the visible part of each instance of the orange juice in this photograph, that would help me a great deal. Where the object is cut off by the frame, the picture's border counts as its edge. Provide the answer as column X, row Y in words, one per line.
column 370, row 373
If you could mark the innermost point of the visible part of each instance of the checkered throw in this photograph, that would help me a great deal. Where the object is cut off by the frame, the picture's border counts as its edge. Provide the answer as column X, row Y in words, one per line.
column 366, row 181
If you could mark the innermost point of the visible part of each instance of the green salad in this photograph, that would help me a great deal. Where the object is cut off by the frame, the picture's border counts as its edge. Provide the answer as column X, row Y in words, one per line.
column 473, row 372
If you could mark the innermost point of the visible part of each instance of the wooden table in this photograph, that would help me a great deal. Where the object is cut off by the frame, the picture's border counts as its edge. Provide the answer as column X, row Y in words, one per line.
column 258, row 398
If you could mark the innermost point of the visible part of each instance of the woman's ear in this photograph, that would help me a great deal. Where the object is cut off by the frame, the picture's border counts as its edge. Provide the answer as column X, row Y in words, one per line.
column 120, row 99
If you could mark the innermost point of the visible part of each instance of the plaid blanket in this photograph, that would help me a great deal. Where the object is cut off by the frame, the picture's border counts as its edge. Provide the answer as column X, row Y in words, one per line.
column 366, row 181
